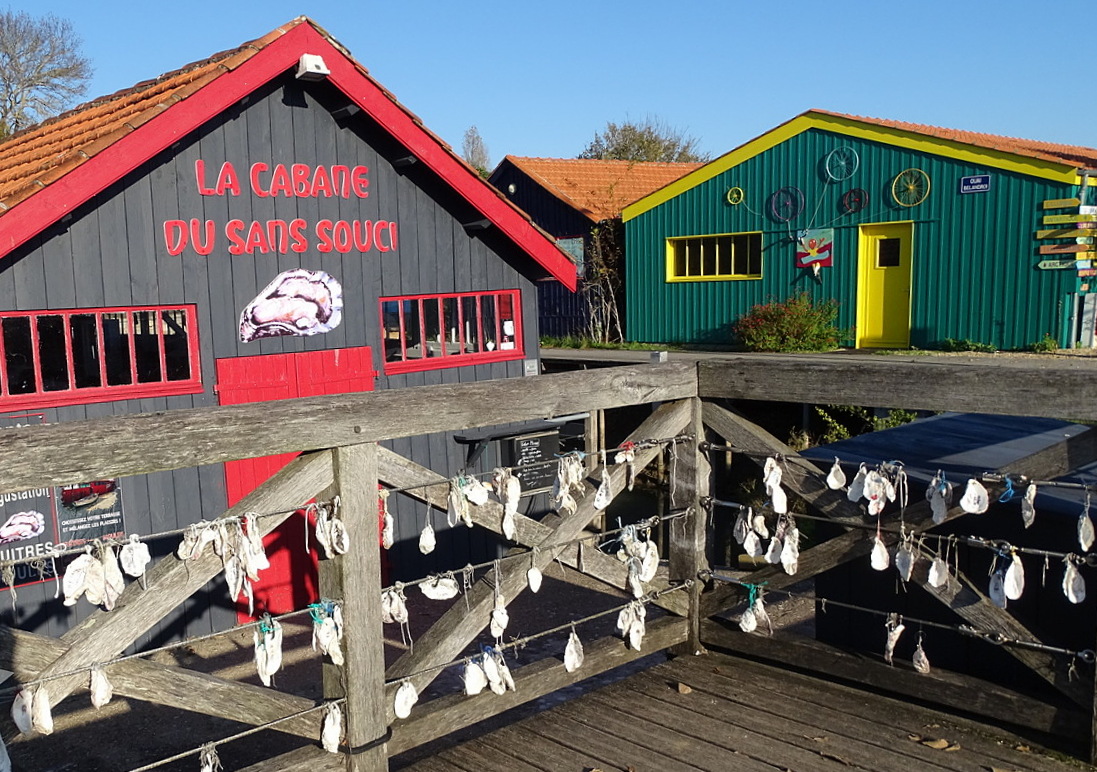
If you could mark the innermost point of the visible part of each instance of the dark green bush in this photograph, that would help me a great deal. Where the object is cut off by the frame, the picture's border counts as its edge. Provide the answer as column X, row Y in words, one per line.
column 796, row 324
column 966, row 344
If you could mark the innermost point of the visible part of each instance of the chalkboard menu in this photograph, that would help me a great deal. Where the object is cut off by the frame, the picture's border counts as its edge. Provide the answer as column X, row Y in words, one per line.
column 529, row 449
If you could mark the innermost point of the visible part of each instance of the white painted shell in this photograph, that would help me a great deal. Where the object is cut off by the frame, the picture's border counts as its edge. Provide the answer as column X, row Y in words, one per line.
column 790, row 551
column 509, row 525
column 534, row 577
column 134, row 556
column 975, row 500
column 113, row 581
column 649, row 563
column 857, row 485
column 439, row 588
column 101, row 689
column 21, row 709
column 331, row 728
column 773, row 553
column 742, row 525
column 491, row 670
column 761, row 616
column 894, row 630
column 499, row 619
column 636, row 630
column 406, row 697
column 779, row 499
column 95, row 588
column 748, row 622
column 388, row 531
column 40, row 716
column 475, row 678
column 475, row 491
column 573, row 653
column 1074, row 586
column 1015, row 579
column 75, row 580
column 938, row 572
column 427, row 539
column 758, row 524
column 604, row 495
column 1028, row 506
column 880, row 558
column 996, row 589
column 752, row 545
column 836, row 479
column 1085, row 532
column 920, row 660
column 904, row 562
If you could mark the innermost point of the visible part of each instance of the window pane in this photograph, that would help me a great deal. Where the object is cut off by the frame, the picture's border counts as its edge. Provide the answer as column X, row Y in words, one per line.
column 506, row 323
column 487, row 316
column 51, row 353
column 390, row 318
column 470, row 317
column 451, row 325
column 432, row 324
column 413, row 334
column 708, row 257
column 176, row 343
column 887, row 255
column 146, row 342
column 18, row 355
column 680, row 267
column 726, row 247
column 85, row 350
column 116, row 349
column 754, row 254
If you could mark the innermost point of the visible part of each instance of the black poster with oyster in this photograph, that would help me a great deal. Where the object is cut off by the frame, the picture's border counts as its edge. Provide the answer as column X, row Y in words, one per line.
column 27, row 525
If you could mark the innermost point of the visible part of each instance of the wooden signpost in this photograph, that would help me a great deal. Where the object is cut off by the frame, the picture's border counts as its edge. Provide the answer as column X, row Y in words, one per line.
column 1056, row 264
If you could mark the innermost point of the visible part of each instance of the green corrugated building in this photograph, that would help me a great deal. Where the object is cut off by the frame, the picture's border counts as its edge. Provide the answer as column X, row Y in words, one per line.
column 920, row 233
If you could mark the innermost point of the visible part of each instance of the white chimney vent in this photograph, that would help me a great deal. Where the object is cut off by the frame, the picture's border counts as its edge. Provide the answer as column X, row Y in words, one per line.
column 312, row 67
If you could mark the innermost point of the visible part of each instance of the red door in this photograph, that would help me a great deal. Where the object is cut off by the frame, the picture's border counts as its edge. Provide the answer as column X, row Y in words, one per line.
column 291, row 581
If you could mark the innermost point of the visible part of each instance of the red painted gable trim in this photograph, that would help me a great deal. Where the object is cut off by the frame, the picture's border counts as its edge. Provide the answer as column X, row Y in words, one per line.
column 97, row 173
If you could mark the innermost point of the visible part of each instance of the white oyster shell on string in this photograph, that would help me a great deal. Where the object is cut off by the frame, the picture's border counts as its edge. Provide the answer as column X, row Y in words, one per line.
column 331, row 728
column 573, row 653
column 475, row 678
column 298, row 303
column 40, row 716
column 436, row 588
column 406, row 697
column 920, row 660
column 975, row 500
column 1014, row 582
column 880, row 558
column 836, row 479
column 21, row 710
column 101, row 689
column 427, row 539
column 1085, row 531
column 857, row 486
column 134, row 556
column 1028, row 506
column 938, row 572
column 997, row 589
column 1074, row 586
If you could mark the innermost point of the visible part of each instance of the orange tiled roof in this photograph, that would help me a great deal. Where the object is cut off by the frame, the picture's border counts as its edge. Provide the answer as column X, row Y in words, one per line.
column 1074, row 155
column 600, row 189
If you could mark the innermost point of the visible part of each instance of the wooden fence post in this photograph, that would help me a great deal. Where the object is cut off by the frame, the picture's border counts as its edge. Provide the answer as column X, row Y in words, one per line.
column 689, row 483
column 359, row 572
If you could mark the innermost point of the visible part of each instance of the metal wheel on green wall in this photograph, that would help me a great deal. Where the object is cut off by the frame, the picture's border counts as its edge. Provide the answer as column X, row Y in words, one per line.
column 841, row 163
column 910, row 187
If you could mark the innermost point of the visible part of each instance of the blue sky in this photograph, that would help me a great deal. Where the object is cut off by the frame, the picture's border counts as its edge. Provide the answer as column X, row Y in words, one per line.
column 539, row 79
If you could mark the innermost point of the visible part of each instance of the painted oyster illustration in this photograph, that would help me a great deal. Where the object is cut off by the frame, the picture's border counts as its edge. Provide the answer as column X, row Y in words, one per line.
column 22, row 525
column 298, row 302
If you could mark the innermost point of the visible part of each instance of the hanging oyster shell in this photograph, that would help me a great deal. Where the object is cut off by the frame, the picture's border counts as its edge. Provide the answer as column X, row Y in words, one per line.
column 437, row 588
column 388, row 528
column 475, row 491
column 95, row 588
column 975, row 500
column 649, row 563
column 604, row 495
column 627, row 456
column 40, row 716
column 113, row 581
column 938, row 572
column 758, row 524
column 1074, row 586
column 761, row 616
column 742, row 525
column 752, row 545
column 298, row 303
column 75, row 581
column 874, row 491
column 836, row 479
column 779, row 500
column 894, row 627
column 996, row 589
column 475, row 678
column 1014, row 581
column 904, row 560
column 573, row 653
column 100, row 687
column 500, row 618
column 880, row 558
column 748, row 622
column 504, row 670
column 268, row 649
column 939, row 496
column 134, row 556
column 427, row 539
column 857, row 486
column 776, row 547
column 920, row 660
column 1028, row 506
column 790, row 550
column 21, row 710
column 1085, row 531
column 406, row 697
column 331, row 727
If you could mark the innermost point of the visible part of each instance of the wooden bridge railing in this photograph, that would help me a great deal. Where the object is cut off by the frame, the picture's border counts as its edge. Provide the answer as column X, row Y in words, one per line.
column 338, row 437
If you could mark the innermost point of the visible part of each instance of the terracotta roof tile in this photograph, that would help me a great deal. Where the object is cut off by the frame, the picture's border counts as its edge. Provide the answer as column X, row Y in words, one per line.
column 600, row 189
column 38, row 155
column 1074, row 155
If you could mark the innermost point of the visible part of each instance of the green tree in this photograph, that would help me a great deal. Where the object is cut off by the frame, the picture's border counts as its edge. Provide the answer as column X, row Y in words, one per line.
column 475, row 152
column 41, row 68
column 647, row 140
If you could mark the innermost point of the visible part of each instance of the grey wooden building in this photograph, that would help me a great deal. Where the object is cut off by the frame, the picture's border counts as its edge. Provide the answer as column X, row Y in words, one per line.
column 265, row 224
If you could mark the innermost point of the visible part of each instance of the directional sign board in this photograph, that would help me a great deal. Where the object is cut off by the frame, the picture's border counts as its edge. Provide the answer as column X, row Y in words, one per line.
column 1056, row 264
column 979, row 183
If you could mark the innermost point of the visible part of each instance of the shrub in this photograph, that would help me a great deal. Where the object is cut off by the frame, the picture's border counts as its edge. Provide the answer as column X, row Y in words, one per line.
column 966, row 344
column 1046, row 345
column 796, row 324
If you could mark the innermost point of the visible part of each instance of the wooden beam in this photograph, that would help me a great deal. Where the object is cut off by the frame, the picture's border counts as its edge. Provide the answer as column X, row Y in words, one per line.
column 433, row 489
column 452, row 712
column 1057, row 249
column 27, row 654
column 102, row 635
column 953, row 690
column 1066, row 233
column 1060, row 203
column 1009, row 387
column 449, row 636
column 355, row 472
column 689, row 483
column 56, row 454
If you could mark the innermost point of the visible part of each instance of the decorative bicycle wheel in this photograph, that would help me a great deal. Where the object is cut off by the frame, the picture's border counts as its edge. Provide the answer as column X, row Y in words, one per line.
column 735, row 196
column 786, row 203
column 910, row 187
column 841, row 163
column 854, row 200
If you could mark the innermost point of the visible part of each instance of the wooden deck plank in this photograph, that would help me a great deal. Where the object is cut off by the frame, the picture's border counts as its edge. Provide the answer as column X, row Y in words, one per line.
column 622, row 715
column 880, row 719
column 474, row 756
column 799, row 739
column 612, row 747
column 525, row 744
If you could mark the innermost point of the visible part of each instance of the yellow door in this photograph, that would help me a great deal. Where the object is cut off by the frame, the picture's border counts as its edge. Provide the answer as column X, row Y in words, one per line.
column 883, row 285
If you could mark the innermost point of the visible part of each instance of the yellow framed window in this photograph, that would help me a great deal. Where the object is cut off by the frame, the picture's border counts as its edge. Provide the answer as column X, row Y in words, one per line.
column 706, row 258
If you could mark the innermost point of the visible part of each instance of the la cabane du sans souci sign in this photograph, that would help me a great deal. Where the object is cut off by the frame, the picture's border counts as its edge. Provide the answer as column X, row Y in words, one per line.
column 264, row 180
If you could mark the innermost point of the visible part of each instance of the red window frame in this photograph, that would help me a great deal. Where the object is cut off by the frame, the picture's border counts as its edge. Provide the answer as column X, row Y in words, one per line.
column 149, row 366
column 474, row 325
